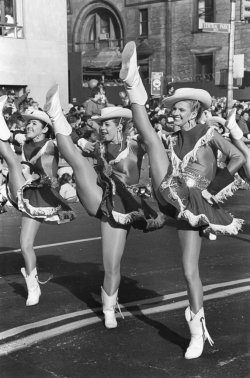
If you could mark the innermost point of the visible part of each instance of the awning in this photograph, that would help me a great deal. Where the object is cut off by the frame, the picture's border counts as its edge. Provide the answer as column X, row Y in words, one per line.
column 101, row 59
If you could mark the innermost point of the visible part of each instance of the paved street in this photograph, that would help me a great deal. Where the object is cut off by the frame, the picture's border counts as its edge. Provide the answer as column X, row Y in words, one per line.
column 64, row 335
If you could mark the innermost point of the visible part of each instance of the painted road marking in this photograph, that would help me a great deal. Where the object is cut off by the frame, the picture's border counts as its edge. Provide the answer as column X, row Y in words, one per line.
column 18, row 330
column 27, row 341
column 53, row 245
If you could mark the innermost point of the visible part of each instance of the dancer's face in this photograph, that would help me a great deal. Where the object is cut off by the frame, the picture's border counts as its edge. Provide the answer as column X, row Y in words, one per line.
column 182, row 113
column 108, row 131
column 35, row 129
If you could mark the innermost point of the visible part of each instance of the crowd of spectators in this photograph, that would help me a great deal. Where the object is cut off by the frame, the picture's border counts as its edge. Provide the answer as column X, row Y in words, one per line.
column 85, row 131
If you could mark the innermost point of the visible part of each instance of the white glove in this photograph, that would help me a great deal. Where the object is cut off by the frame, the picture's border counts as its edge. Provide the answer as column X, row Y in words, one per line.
column 208, row 197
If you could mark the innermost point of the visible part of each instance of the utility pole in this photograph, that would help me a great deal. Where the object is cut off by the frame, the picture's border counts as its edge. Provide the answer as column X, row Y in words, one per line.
column 231, row 57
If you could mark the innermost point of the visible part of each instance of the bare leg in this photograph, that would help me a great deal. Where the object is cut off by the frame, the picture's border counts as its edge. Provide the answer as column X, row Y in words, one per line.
column 137, row 95
column 238, row 139
column 16, row 179
column 29, row 229
column 113, row 245
column 90, row 194
column 246, row 152
column 191, row 244
column 158, row 158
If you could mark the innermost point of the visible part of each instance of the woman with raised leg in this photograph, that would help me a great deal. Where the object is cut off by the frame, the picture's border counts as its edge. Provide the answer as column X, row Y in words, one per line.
column 186, row 182
column 107, row 192
column 38, row 198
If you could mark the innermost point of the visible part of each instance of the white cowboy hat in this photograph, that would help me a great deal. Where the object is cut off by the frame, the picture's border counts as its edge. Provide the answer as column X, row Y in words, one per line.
column 215, row 119
column 183, row 94
column 37, row 114
column 111, row 112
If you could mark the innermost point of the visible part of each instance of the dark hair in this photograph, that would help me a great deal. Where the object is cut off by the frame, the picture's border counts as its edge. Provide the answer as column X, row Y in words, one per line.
column 65, row 178
column 95, row 91
column 87, row 134
column 73, row 117
column 49, row 134
column 245, row 112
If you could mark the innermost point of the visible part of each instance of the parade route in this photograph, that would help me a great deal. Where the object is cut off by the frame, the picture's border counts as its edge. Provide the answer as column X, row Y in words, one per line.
column 64, row 335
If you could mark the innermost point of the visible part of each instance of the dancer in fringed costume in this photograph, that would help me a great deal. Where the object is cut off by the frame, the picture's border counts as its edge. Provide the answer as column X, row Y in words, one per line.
column 186, row 181
column 38, row 197
column 109, row 192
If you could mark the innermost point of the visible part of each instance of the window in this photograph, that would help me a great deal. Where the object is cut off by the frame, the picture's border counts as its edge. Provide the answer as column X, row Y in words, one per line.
column 11, row 18
column 69, row 11
column 100, row 30
column 205, row 12
column 144, row 22
column 204, row 67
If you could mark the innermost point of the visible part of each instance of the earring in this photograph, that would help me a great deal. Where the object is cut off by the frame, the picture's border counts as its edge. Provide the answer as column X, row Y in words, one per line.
column 119, row 138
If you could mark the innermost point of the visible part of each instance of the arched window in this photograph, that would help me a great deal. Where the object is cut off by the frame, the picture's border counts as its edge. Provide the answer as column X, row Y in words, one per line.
column 99, row 29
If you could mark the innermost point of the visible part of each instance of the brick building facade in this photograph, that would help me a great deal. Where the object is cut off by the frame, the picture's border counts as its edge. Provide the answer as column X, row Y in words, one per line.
column 169, row 38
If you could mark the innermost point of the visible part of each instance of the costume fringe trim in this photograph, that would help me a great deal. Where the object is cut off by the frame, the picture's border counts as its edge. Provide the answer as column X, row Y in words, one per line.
column 40, row 153
column 198, row 220
column 49, row 214
column 127, row 218
column 180, row 165
column 226, row 192
column 122, row 155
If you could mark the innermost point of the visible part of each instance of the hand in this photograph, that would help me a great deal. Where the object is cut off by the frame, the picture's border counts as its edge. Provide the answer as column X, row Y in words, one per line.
column 89, row 147
column 208, row 197
column 27, row 173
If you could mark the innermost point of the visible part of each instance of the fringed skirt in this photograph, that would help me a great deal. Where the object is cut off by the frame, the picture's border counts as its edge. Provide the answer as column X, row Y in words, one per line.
column 40, row 199
column 124, row 206
column 185, row 203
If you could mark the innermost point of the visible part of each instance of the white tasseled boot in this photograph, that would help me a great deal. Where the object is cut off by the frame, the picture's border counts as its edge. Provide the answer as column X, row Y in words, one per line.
column 109, row 303
column 198, row 331
column 4, row 130
column 54, row 110
column 33, row 287
column 233, row 126
column 129, row 73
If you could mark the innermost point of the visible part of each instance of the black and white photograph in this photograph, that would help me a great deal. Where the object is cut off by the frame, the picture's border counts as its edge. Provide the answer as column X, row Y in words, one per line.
column 125, row 189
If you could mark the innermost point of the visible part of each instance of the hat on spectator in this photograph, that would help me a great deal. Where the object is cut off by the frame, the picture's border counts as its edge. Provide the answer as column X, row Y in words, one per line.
column 183, row 94
column 111, row 112
column 37, row 114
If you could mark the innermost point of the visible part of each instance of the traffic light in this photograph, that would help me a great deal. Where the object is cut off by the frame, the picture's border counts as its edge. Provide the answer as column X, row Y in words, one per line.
column 245, row 10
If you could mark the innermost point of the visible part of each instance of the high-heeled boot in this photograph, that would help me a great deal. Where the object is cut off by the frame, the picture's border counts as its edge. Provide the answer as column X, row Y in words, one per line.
column 109, row 303
column 4, row 130
column 33, row 287
column 232, row 125
column 198, row 331
column 129, row 73
column 54, row 110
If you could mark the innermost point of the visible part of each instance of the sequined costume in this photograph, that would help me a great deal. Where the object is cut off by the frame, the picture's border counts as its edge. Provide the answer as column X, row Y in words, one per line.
column 193, row 168
column 124, row 199
column 39, row 197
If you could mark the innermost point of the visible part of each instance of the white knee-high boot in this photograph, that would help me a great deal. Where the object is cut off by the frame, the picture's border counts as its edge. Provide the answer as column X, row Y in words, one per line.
column 129, row 73
column 33, row 287
column 54, row 110
column 233, row 126
column 4, row 130
column 198, row 331
column 109, row 303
